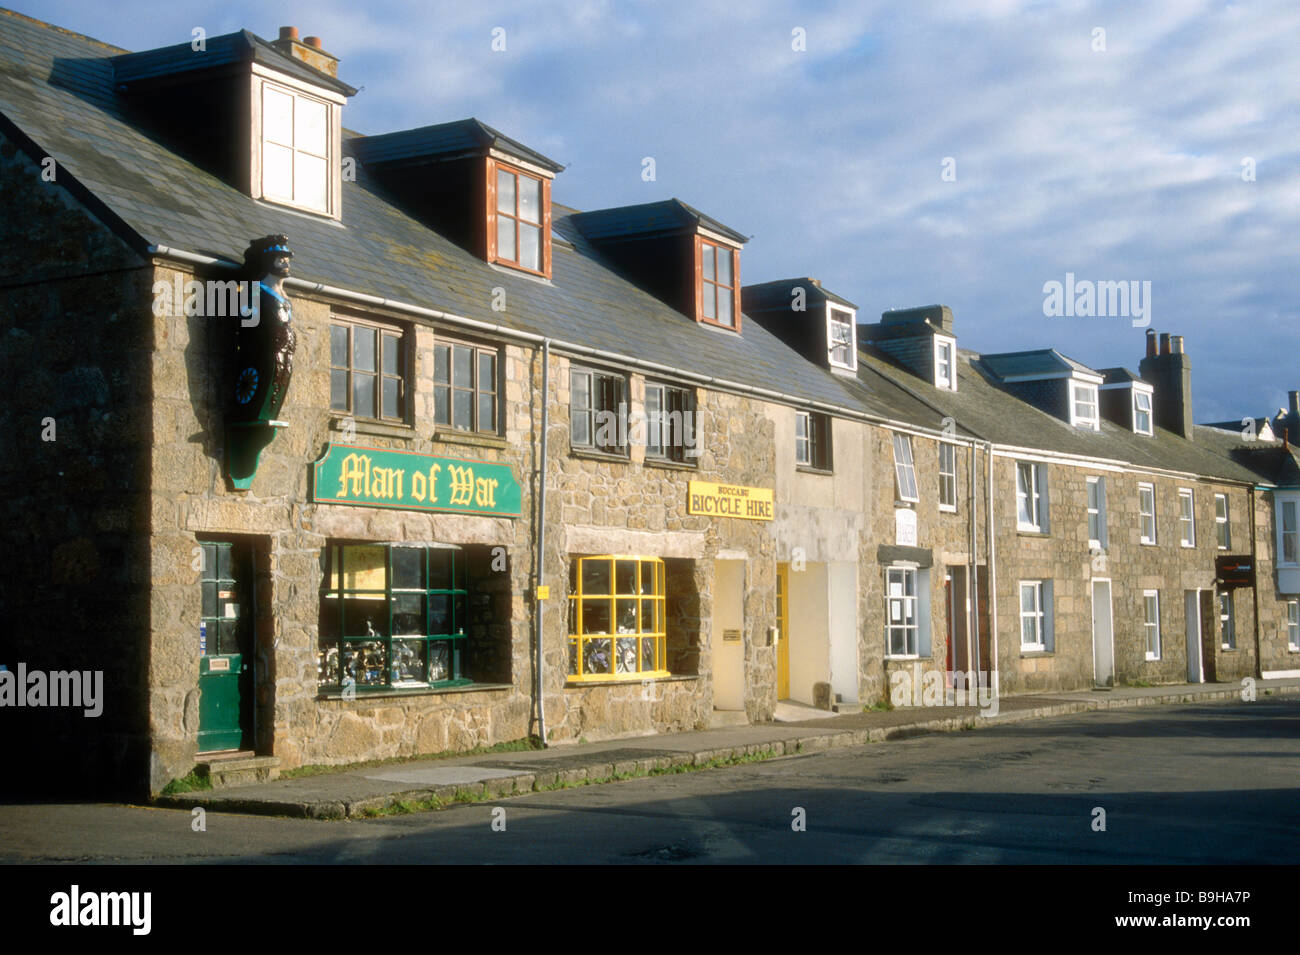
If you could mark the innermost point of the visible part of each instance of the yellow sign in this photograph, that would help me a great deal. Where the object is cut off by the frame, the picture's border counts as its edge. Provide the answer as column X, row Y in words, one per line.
column 543, row 591
column 729, row 500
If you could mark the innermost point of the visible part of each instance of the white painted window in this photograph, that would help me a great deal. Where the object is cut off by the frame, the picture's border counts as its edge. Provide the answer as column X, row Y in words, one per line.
column 1147, row 513
column 1223, row 533
column 1151, row 622
column 902, row 618
column 295, row 138
column 904, row 471
column 947, row 476
column 1035, row 615
column 843, row 352
column 1097, row 512
column 1293, row 624
column 1186, row 517
column 1142, row 412
column 1083, row 406
column 1289, row 542
column 1031, row 497
column 1227, row 621
column 945, row 372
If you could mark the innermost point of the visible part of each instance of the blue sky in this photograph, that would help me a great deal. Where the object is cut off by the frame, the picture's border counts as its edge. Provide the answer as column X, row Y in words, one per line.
column 1122, row 163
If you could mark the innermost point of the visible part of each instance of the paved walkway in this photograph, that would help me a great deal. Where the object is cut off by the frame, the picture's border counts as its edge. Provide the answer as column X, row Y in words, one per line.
column 350, row 793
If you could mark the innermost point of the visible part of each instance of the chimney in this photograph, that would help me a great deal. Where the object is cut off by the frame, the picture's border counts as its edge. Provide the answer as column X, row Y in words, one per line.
column 1293, row 399
column 309, row 51
column 1170, row 374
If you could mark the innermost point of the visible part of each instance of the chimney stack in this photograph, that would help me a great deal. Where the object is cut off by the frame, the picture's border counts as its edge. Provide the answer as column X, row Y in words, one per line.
column 1170, row 374
column 1293, row 399
column 309, row 51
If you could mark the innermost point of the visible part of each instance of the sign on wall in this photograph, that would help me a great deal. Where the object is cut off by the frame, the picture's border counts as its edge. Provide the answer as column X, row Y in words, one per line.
column 375, row 477
column 1232, row 571
column 905, row 527
column 729, row 500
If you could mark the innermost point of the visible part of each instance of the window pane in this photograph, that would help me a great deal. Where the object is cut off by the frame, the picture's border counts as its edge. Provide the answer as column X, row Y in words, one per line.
column 505, row 192
column 706, row 261
column 277, row 171
column 726, row 312
column 309, row 184
column 625, row 576
column 487, row 413
column 439, row 661
column 487, row 371
column 408, row 613
column 595, row 616
column 339, row 390
column 277, row 116
column 363, row 349
column 530, row 246
column 442, row 363
column 595, row 577
column 530, row 199
column 442, row 405
column 408, row 662
column 724, row 267
column 709, row 302
column 310, row 126
column 464, row 367
column 408, row 568
column 439, row 568
column 339, row 345
column 390, row 354
column 392, row 405
column 505, row 238
column 462, row 409
column 363, row 395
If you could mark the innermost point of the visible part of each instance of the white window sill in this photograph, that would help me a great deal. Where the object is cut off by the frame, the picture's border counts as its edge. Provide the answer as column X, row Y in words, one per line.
column 948, row 508
column 1146, row 543
column 1153, row 657
column 1186, row 545
column 911, row 656
column 1033, row 648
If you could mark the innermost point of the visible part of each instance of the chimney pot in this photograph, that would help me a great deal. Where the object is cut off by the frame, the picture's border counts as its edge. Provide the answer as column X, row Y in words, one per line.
column 288, row 33
column 1175, row 344
column 1151, row 343
column 1293, row 397
column 313, row 42
column 1164, row 343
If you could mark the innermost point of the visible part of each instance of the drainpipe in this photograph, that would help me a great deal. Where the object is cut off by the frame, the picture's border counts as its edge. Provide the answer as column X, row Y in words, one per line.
column 539, row 605
column 972, row 582
column 994, row 674
column 1254, row 557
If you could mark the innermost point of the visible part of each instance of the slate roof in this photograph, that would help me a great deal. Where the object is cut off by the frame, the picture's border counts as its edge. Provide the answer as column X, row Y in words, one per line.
column 1030, row 364
column 668, row 217
column 777, row 295
column 1111, row 376
column 443, row 141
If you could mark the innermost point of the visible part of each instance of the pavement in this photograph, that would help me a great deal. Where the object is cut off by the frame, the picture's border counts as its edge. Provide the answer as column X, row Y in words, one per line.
column 362, row 792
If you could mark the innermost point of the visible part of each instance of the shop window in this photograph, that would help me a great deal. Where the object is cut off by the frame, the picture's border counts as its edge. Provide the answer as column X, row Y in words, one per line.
column 465, row 389
column 597, row 411
column 367, row 370
column 393, row 616
column 812, row 440
column 617, row 624
column 947, row 477
column 670, row 423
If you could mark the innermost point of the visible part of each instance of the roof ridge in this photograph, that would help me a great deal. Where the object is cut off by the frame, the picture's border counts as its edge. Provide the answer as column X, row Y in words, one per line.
column 54, row 26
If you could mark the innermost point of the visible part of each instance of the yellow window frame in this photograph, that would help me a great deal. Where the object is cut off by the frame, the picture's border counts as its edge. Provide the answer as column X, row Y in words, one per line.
column 655, row 635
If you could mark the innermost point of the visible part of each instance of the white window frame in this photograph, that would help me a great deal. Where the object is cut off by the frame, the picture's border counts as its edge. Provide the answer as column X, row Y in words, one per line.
column 1039, row 611
column 1100, row 541
column 1293, row 625
column 1144, row 515
column 1186, row 517
column 333, row 169
column 1151, row 627
column 947, row 477
column 1091, row 422
column 803, row 442
column 1227, row 619
column 1285, row 506
column 1222, row 524
column 904, row 469
column 1137, row 411
column 947, row 380
column 1034, row 493
column 841, row 316
column 896, row 607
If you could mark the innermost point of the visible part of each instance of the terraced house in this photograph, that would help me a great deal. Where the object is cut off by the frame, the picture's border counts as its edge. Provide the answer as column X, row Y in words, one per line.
column 336, row 447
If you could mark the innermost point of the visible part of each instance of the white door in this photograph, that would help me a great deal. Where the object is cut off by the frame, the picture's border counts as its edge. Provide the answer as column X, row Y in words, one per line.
column 1103, row 634
column 728, row 635
column 1192, row 608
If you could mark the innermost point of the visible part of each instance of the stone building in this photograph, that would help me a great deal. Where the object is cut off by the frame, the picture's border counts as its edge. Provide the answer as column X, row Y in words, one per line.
column 537, row 472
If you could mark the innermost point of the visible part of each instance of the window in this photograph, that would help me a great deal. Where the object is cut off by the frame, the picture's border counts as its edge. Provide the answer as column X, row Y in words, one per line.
column 1097, row 512
column 944, row 374
column 1031, row 503
column 520, row 219
column 1035, row 615
column 904, row 472
column 1223, row 532
column 902, row 623
column 597, row 411
column 617, row 628
column 1288, row 532
column 812, row 440
column 393, row 616
column 295, row 139
column 947, row 477
column 465, row 387
column 367, row 370
column 1293, row 624
column 1147, row 513
column 1227, row 621
column 718, row 293
column 670, row 422
column 1186, row 517
column 1151, row 622
column 1084, row 407
column 1142, row 412
column 842, row 352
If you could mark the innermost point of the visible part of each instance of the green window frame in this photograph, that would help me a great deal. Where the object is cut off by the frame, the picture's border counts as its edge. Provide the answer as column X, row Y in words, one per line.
column 465, row 387
column 220, row 629
column 393, row 616
column 617, row 625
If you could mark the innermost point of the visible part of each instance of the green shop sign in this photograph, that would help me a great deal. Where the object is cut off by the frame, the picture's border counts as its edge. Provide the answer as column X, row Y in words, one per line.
column 373, row 477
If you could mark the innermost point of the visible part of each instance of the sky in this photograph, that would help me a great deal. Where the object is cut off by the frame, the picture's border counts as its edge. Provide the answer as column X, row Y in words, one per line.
column 959, row 152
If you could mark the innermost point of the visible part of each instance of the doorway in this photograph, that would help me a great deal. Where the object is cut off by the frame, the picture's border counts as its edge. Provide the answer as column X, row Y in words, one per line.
column 728, row 635
column 226, row 658
column 783, row 631
column 1192, row 611
column 1103, row 634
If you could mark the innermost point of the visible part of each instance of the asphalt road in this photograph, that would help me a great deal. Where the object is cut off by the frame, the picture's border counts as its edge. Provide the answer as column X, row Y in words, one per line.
column 1179, row 784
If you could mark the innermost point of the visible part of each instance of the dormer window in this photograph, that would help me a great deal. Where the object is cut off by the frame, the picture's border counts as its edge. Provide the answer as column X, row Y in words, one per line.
column 945, row 375
column 1083, row 406
column 297, row 156
column 839, row 333
column 522, row 230
column 1141, row 412
column 719, row 285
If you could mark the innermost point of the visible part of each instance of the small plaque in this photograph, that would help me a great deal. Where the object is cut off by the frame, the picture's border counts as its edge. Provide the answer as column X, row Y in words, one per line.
column 905, row 527
column 730, row 636
column 219, row 665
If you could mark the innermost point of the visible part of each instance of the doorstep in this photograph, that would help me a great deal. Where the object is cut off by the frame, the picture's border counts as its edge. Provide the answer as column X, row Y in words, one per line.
column 237, row 768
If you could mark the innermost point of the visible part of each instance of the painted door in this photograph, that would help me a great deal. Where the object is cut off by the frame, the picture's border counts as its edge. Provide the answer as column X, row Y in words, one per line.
column 1103, row 634
column 783, row 631
column 728, row 635
column 225, row 647
column 1192, row 611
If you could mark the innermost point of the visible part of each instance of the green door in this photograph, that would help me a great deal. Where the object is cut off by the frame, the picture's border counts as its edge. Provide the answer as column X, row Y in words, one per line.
column 225, row 648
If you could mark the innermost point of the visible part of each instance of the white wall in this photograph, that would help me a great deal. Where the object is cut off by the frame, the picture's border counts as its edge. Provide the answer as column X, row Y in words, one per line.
column 809, row 631
column 842, row 627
